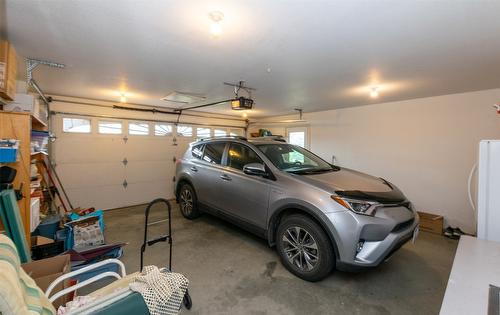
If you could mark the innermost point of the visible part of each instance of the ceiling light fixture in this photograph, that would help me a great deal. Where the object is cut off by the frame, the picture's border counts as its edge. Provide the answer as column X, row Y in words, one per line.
column 216, row 27
column 123, row 98
column 374, row 92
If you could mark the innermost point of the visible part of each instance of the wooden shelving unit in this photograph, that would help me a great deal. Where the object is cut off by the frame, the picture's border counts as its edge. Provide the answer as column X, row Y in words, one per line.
column 18, row 126
column 37, row 124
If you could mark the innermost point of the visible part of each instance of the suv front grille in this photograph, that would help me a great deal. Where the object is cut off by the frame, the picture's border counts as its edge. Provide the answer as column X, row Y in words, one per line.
column 403, row 225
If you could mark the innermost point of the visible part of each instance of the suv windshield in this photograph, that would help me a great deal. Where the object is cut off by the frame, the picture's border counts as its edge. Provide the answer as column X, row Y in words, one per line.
column 294, row 159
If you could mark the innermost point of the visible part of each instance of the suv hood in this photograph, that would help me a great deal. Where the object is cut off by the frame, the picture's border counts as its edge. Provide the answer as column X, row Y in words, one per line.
column 353, row 184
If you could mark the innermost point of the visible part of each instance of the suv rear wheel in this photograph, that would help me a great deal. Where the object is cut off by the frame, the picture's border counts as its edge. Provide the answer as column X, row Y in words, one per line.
column 304, row 248
column 188, row 203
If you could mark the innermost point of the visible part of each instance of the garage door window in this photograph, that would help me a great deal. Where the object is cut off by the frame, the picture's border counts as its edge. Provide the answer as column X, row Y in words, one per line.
column 220, row 132
column 235, row 132
column 213, row 152
column 139, row 129
column 184, row 131
column 110, row 127
column 203, row 133
column 76, row 125
column 163, row 130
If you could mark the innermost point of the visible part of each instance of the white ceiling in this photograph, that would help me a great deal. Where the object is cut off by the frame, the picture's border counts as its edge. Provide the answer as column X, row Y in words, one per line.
column 311, row 54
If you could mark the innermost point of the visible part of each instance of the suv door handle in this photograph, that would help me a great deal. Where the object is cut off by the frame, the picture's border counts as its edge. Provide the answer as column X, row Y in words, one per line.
column 194, row 169
column 225, row 177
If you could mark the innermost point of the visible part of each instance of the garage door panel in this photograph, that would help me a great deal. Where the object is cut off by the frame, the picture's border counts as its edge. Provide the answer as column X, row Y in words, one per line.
column 98, row 149
column 150, row 171
column 76, row 175
column 181, row 147
column 144, row 192
column 102, row 197
column 148, row 149
column 91, row 169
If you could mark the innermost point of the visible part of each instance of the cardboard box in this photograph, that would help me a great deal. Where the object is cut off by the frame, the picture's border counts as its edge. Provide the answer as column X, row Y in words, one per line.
column 8, row 71
column 432, row 223
column 40, row 240
column 45, row 271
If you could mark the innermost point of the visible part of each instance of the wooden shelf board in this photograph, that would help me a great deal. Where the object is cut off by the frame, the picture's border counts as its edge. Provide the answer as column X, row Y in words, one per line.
column 37, row 124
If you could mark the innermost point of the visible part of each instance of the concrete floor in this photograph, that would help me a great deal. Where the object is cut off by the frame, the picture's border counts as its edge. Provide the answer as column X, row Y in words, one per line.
column 234, row 272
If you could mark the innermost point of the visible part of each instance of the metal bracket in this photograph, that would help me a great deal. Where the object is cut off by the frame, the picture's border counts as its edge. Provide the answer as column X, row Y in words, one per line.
column 125, row 161
column 31, row 64
column 240, row 86
column 125, row 184
column 300, row 112
column 125, row 139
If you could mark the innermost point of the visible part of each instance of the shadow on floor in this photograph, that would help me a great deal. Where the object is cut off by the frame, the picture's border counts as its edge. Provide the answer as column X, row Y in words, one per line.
column 234, row 272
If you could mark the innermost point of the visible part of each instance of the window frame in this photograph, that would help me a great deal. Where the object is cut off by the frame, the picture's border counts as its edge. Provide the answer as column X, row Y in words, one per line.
column 210, row 132
column 303, row 129
column 226, row 133
column 138, row 122
column 89, row 119
column 110, row 121
column 171, row 134
column 179, row 135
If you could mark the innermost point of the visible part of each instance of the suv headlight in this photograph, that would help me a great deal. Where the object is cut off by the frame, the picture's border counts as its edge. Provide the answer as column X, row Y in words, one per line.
column 357, row 206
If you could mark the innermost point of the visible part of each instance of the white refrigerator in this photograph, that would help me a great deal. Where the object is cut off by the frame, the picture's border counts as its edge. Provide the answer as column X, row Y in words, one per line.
column 488, row 191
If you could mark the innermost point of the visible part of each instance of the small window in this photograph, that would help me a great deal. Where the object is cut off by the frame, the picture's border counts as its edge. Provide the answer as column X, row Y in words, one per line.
column 297, row 138
column 110, row 127
column 235, row 132
column 203, row 133
column 220, row 132
column 213, row 152
column 197, row 151
column 184, row 131
column 76, row 125
column 140, row 129
column 240, row 155
column 163, row 130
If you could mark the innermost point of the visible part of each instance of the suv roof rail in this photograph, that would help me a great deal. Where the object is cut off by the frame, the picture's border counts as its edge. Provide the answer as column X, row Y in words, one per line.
column 224, row 137
column 270, row 138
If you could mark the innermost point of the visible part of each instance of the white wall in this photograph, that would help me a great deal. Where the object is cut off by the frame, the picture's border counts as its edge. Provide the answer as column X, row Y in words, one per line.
column 425, row 146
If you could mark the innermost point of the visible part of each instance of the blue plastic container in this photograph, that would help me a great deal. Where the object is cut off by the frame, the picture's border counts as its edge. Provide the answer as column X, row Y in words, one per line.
column 8, row 155
column 63, row 235
column 48, row 227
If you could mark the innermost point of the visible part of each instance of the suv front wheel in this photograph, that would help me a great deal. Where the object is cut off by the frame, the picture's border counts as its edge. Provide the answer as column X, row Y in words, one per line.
column 304, row 248
column 188, row 203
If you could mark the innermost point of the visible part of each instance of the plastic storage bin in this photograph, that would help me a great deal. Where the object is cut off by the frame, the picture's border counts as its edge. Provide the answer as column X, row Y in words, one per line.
column 8, row 150
column 8, row 155
column 48, row 227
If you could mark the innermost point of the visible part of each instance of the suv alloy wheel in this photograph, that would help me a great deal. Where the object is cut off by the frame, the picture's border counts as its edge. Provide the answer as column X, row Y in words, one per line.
column 304, row 248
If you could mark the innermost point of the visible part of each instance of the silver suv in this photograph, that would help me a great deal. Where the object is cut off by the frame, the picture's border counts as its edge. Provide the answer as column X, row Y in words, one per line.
column 319, row 216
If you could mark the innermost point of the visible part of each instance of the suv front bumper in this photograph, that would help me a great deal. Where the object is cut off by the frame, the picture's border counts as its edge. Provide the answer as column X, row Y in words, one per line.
column 364, row 241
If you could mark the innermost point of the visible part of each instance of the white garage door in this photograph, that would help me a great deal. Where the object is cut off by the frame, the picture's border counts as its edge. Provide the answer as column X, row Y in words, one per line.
column 107, row 163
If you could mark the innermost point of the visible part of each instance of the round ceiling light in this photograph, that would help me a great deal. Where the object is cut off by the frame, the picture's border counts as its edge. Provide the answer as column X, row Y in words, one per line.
column 216, row 27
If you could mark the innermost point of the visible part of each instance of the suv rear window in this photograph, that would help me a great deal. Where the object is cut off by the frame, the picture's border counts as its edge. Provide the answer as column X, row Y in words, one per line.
column 197, row 151
column 213, row 152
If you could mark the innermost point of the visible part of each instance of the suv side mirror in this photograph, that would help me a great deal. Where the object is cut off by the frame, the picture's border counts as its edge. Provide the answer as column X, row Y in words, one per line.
column 256, row 169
